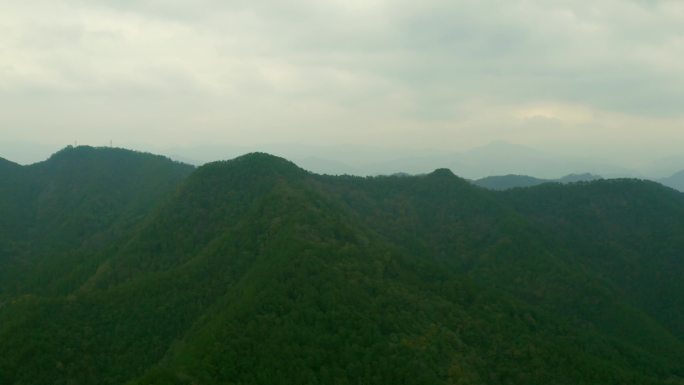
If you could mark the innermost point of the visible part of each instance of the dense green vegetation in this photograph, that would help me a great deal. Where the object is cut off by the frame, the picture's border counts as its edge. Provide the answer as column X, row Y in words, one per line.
column 56, row 214
column 127, row 268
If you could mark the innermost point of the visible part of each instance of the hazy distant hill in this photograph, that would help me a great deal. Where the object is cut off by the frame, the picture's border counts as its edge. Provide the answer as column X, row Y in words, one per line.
column 573, row 178
column 255, row 271
column 676, row 181
column 496, row 158
column 506, row 182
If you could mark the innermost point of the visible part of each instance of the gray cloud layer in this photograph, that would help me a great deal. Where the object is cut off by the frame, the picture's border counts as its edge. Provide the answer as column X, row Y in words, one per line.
column 429, row 73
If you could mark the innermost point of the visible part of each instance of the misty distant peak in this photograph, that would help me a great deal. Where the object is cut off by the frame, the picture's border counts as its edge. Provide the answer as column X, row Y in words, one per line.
column 675, row 181
column 583, row 177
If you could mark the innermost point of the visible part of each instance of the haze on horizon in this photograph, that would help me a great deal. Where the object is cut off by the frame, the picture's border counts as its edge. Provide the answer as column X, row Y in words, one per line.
column 593, row 82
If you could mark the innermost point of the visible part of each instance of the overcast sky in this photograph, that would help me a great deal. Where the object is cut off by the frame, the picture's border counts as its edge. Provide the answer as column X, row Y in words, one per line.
column 576, row 76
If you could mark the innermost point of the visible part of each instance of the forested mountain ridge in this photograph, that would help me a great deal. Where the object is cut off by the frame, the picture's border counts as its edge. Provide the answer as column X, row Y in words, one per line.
column 630, row 232
column 254, row 271
column 81, row 198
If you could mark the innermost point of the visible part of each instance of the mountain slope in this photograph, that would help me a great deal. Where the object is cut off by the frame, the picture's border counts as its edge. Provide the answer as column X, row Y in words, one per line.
column 81, row 199
column 480, row 234
column 253, row 271
column 630, row 232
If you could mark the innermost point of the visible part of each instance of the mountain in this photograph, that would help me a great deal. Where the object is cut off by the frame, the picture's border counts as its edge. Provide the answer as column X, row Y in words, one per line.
column 627, row 231
column 506, row 182
column 255, row 271
column 676, row 181
column 503, row 158
column 495, row 158
column 81, row 198
column 574, row 178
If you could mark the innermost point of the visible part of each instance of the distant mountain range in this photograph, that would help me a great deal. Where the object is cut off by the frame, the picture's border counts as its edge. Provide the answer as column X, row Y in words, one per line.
column 120, row 267
column 505, row 182
column 676, row 181
column 495, row 158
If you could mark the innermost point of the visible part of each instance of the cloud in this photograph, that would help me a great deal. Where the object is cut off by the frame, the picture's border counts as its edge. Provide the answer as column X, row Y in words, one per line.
column 399, row 72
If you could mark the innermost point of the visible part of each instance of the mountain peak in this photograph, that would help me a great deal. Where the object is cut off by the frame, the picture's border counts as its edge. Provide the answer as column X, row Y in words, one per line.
column 675, row 181
column 442, row 173
column 111, row 156
column 77, row 152
column 259, row 163
column 262, row 157
column 69, row 152
column 584, row 177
